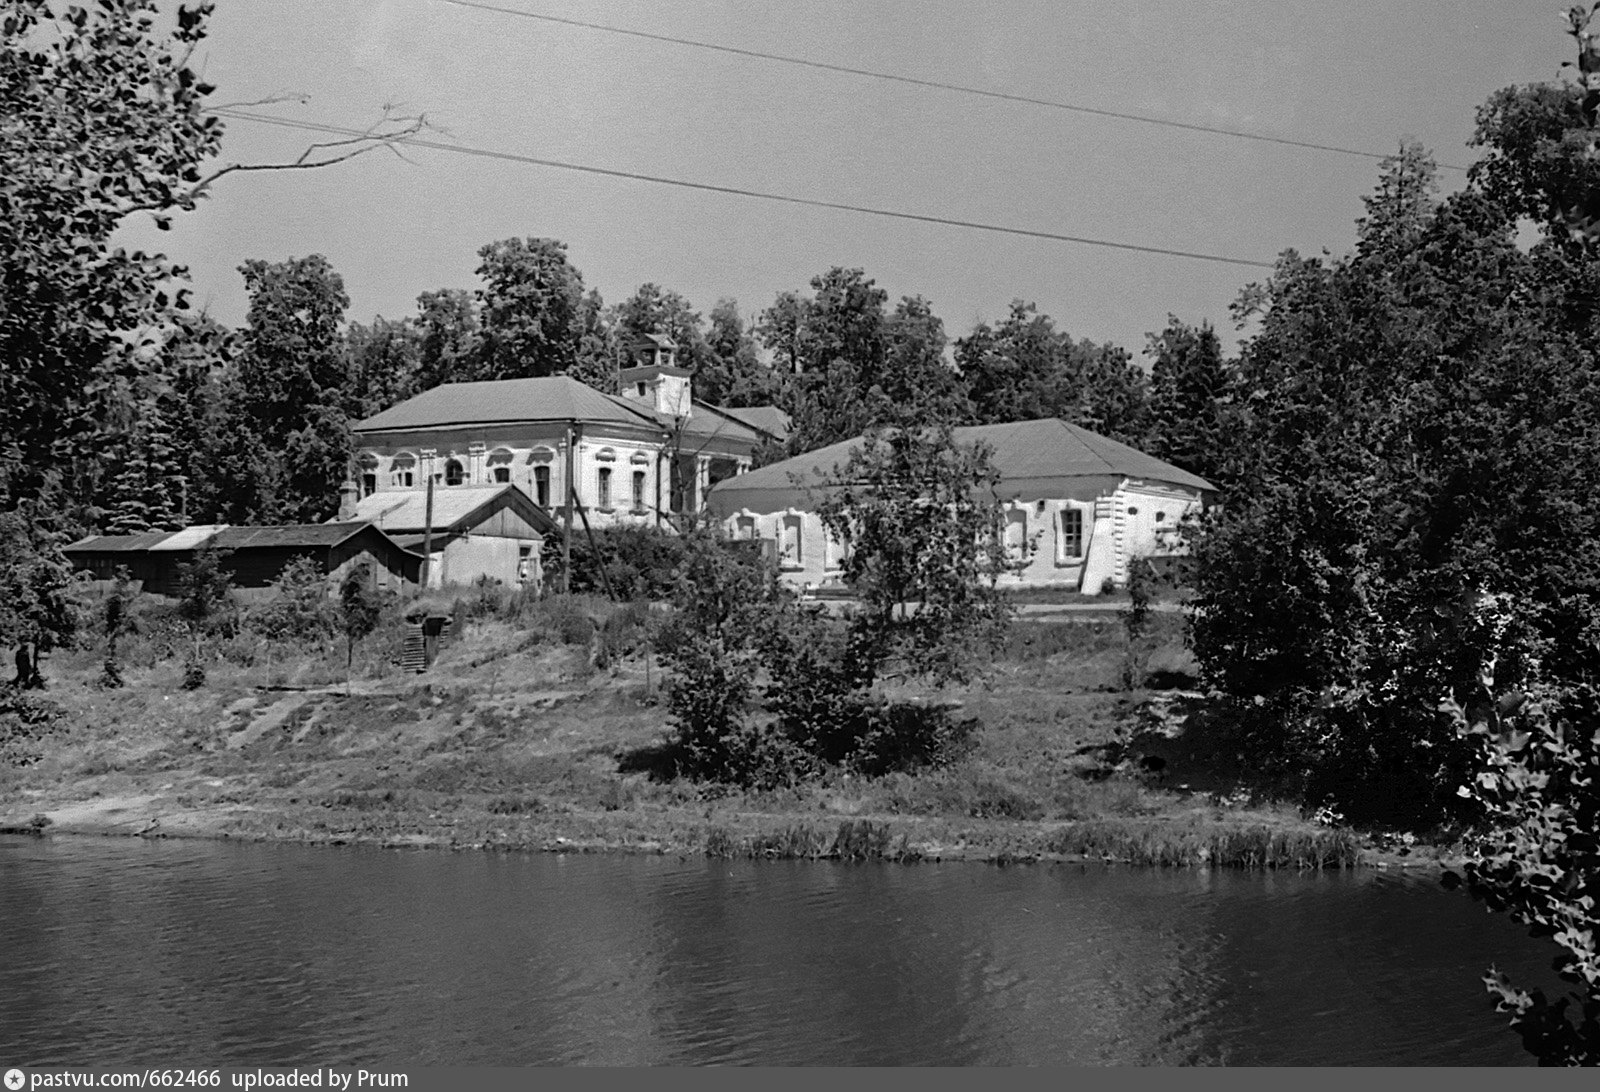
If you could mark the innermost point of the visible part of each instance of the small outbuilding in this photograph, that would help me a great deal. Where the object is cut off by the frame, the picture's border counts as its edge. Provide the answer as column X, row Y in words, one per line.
column 255, row 557
column 472, row 532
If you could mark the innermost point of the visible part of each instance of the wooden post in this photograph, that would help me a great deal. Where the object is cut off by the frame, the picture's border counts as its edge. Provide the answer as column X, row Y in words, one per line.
column 605, row 577
column 427, row 534
column 566, row 528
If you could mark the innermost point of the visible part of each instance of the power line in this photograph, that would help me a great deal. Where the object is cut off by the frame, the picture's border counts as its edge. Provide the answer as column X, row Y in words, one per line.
column 488, row 153
column 940, row 85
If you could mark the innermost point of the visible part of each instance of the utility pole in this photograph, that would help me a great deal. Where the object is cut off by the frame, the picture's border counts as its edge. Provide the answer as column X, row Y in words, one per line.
column 427, row 532
column 572, row 496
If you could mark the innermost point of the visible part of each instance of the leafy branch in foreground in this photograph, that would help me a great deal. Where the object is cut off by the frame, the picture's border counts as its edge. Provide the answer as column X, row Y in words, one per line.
column 1541, row 863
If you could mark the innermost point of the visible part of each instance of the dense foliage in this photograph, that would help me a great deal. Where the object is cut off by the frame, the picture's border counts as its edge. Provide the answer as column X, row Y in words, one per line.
column 1385, row 423
column 765, row 690
column 1540, row 749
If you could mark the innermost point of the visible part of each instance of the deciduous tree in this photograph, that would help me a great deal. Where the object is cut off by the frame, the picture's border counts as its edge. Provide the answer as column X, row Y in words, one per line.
column 529, row 305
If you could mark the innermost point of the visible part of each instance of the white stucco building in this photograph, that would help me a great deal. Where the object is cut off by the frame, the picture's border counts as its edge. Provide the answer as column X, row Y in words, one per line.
column 636, row 457
column 1079, row 506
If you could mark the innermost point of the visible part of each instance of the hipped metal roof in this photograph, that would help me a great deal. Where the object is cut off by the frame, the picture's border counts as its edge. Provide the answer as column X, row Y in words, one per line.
column 505, row 401
column 1045, row 458
column 547, row 399
column 769, row 419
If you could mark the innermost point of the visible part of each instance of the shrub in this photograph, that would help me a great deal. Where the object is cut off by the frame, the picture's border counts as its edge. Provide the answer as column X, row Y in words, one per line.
column 25, row 720
column 359, row 607
column 115, row 610
column 299, row 610
column 639, row 560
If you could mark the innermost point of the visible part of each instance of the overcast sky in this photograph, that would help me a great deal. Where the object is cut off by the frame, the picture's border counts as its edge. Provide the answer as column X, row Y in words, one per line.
column 1358, row 74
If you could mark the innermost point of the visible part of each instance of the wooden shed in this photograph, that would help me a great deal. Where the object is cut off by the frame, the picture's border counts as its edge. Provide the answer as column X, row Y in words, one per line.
column 255, row 557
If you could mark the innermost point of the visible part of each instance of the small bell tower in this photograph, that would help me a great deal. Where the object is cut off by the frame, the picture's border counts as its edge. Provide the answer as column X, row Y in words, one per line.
column 654, row 378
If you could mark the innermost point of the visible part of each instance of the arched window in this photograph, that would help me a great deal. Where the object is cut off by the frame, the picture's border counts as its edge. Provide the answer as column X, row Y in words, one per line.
column 605, row 489
column 745, row 527
column 541, row 486
column 368, row 462
column 499, row 464
column 453, row 474
column 789, row 540
column 638, row 491
column 403, row 470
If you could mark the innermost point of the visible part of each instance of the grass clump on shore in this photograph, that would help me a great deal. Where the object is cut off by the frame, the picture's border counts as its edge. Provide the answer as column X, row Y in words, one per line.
column 849, row 840
column 1209, row 844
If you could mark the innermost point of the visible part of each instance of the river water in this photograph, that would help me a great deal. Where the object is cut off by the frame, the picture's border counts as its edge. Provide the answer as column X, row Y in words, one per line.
column 122, row 952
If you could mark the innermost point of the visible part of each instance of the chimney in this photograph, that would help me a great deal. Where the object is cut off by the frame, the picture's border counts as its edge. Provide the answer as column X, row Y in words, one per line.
column 348, row 495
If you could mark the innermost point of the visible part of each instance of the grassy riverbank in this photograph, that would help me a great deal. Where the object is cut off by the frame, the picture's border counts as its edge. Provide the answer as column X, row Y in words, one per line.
column 541, row 729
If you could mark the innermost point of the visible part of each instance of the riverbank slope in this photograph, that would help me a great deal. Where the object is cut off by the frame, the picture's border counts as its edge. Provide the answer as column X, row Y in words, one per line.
column 522, row 738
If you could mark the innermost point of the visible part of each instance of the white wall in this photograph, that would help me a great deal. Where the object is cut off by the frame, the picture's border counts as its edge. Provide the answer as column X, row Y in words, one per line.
column 1137, row 519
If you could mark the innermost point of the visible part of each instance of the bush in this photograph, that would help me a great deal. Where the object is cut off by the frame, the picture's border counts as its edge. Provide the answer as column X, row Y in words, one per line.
column 25, row 720
column 640, row 562
column 765, row 691
column 299, row 611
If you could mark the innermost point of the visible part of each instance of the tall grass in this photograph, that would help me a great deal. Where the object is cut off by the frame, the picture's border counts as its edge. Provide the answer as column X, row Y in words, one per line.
column 1218, row 845
column 850, row 840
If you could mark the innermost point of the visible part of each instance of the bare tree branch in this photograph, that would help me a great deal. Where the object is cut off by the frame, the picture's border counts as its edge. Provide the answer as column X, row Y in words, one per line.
column 299, row 97
column 385, row 133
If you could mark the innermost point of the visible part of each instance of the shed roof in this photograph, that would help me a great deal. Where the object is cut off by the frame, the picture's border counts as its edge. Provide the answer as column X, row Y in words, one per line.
column 324, row 535
column 225, row 537
column 190, row 538
column 113, row 544
column 504, row 401
column 1042, row 458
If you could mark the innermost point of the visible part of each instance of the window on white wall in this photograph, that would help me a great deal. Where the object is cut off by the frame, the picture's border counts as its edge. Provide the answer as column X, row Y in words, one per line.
column 638, row 491
column 605, row 487
column 541, row 486
column 454, row 474
column 837, row 550
column 1017, row 535
column 789, row 540
column 403, row 470
column 745, row 527
column 1069, row 534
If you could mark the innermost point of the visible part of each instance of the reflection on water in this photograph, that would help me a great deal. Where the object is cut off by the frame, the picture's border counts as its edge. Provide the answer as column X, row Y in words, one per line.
column 122, row 952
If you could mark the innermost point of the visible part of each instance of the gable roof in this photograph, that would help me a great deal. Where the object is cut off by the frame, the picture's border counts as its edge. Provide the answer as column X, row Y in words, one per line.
column 1043, row 458
column 455, row 508
column 505, row 401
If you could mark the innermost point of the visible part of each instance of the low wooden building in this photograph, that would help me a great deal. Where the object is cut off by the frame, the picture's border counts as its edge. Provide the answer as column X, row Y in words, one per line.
column 255, row 557
column 472, row 533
